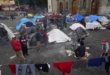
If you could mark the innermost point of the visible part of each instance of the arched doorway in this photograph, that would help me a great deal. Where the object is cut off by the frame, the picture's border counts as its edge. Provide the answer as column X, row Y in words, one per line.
column 94, row 6
column 61, row 7
column 74, row 6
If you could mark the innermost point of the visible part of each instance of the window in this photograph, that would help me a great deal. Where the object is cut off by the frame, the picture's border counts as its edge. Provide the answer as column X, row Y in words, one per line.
column 83, row 4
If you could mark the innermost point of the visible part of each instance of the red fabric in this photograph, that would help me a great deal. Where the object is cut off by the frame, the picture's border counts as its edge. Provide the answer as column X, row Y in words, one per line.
column 12, row 68
column 64, row 67
column 16, row 45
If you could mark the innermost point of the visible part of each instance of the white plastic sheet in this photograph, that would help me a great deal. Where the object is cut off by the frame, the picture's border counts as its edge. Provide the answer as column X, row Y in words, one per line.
column 57, row 36
column 93, row 25
column 10, row 33
column 76, row 25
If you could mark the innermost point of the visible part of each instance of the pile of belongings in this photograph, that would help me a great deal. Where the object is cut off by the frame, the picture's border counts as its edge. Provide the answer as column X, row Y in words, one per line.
column 96, row 22
column 79, row 29
column 57, row 36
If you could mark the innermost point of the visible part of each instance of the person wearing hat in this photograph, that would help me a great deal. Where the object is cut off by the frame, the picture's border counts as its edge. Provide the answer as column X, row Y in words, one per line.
column 105, row 47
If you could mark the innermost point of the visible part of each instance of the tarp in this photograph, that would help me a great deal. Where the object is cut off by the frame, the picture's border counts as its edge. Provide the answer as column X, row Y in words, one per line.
column 57, row 36
column 21, row 22
column 76, row 25
column 92, row 18
column 78, row 17
column 10, row 33
column 93, row 25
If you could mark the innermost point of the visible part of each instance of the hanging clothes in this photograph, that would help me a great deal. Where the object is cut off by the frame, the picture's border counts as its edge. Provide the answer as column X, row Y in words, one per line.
column 42, row 67
column 64, row 67
column 12, row 68
column 24, row 69
column 96, row 62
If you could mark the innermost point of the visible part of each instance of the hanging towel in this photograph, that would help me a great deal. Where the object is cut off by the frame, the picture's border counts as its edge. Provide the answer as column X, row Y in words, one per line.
column 64, row 67
column 42, row 67
column 96, row 62
column 12, row 68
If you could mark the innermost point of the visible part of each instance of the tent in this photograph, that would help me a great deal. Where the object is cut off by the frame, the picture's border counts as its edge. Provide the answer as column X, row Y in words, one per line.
column 76, row 25
column 21, row 22
column 10, row 33
column 57, row 36
column 92, row 18
column 93, row 25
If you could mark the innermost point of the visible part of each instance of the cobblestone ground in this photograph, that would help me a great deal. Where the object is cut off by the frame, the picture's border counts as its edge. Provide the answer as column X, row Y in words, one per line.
column 57, row 52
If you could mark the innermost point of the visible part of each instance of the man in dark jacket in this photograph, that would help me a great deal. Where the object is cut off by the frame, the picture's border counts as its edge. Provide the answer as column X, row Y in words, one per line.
column 38, row 38
column 23, row 41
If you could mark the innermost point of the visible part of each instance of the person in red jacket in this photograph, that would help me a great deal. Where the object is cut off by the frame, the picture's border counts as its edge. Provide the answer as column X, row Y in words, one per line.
column 17, row 48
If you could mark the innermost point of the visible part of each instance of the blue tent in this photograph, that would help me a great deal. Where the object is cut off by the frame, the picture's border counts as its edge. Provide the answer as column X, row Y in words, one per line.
column 21, row 22
column 78, row 17
column 35, row 18
column 92, row 18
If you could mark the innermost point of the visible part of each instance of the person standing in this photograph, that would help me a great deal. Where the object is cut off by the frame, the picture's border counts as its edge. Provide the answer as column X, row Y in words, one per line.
column 45, row 37
column 105, row 47
column 17, row 48
column 38, row 38
column 23, row 42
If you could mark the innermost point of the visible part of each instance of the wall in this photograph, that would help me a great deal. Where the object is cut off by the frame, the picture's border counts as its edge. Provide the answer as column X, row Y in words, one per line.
column 103, row 8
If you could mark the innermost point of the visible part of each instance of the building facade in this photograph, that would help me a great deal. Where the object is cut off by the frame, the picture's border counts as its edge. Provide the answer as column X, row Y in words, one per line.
column 104, row 7
column 82, row 6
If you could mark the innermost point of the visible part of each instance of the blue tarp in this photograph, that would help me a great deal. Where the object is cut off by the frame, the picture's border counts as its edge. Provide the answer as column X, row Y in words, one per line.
column 21, row 22
column 78, row 17
column 92, row 18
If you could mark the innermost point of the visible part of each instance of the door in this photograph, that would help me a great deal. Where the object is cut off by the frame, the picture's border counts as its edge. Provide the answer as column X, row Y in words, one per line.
column 74, row 6
column 94, row 6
